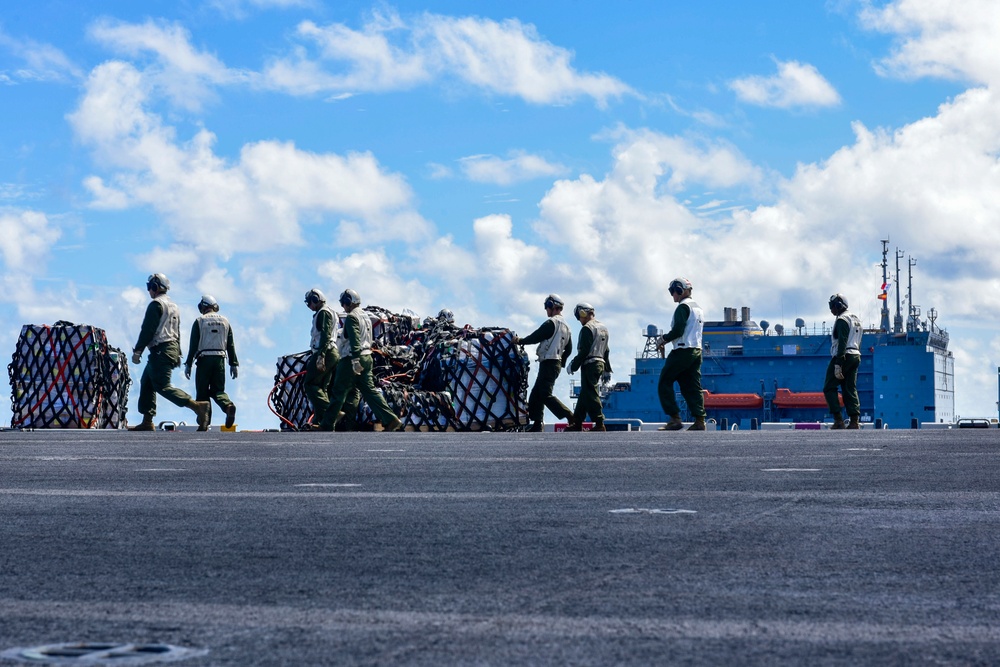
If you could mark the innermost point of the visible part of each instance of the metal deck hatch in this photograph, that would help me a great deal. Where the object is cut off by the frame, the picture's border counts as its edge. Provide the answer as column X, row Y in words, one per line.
column 101, row 653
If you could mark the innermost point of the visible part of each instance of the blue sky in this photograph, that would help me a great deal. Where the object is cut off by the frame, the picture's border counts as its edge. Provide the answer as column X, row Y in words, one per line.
column 478, row 156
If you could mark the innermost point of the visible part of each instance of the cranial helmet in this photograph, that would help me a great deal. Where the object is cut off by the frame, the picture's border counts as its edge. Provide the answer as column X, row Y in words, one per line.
column 207, row 303
column 679, row 285
column 350, row 298
column 445, row 315
column 157, row 282
column 314, row 296
column 582, row 308
column 554, row 301
column 838, row 303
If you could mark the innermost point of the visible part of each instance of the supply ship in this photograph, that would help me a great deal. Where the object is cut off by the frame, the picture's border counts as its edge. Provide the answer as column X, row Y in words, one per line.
column 753, row 373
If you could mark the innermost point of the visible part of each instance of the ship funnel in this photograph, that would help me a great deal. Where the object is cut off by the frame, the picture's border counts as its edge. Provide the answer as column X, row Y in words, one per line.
column 745, row 314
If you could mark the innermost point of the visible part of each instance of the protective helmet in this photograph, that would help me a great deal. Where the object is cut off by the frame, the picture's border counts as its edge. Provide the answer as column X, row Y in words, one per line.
column 554, row 301
column 315, row 296
column 350, row 298
column 445, row 315
column 838, row 303
column 582, row 308
column 157, row 282
column 679, row 285
column 207, row 303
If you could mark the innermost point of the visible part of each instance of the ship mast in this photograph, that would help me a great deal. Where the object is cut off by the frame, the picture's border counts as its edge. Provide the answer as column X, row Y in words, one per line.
column 897, row 325
column 913, row 321
column 884, row 325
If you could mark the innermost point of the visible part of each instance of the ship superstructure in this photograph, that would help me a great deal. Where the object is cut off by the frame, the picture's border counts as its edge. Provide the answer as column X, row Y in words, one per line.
column 752, row 373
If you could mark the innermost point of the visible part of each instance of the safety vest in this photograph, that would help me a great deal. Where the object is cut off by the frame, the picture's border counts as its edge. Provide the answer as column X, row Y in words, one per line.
column 554, row 347
column 853, row 335
column 317, row 334
column 213, row 335
column 691, row 338
column 599, row 349
column 365, row 331
column 169, row 328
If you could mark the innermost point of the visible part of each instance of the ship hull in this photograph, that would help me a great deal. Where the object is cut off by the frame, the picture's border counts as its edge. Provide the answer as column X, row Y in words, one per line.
column 904, row 379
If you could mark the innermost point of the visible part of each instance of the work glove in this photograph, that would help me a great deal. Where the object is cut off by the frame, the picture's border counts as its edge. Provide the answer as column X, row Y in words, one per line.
column 136, row 356
column 187, row 371
column 234, row 371
column 606, row 378
column 838, row 372
column 321, row 362
column 356, row 365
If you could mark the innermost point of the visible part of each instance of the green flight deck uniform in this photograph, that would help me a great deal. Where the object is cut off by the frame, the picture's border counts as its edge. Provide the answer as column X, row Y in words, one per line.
column 555, row 344
column 845, row 358
column 683, row 364
column 318, row 383
column 160, row 333
column 592, row 358
column 210, row 345
column 354, row 374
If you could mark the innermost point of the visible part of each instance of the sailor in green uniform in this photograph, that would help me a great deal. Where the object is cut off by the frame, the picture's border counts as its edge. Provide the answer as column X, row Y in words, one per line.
column 555, row 343
column 592, row 356
column 322, row 362
column 161, row 333
column 355, row 368
column 210, row 345
column 842, row 371
column 683, row 364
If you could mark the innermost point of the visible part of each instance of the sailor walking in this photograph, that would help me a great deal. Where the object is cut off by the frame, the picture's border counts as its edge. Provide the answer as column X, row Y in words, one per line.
column 210, row 346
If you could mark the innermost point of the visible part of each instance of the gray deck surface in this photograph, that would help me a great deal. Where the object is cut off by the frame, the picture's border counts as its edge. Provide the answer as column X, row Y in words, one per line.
column 812, row 547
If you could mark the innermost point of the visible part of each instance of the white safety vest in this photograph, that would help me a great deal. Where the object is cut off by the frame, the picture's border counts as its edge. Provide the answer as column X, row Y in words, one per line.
column 853, row 336
column 600, row 346
column 317, row 334
column 365, row 328
column 213, row 335
column 170, row 322
column 691, row 338
column 554, row 347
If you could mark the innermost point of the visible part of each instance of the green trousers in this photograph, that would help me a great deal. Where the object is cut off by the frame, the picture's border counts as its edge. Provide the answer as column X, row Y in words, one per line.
column 210, row 380
column 848, row 386
column 683, row 366
column 589, row 402
column 347, row 384
column 317, row 384
column 541, row 394
column 160, row 363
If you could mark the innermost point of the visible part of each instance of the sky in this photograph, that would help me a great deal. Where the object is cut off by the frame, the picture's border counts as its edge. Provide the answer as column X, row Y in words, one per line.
column 479, row 156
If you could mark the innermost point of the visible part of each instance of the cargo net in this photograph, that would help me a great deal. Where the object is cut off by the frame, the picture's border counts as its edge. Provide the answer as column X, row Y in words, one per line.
column 67, row 376
column 434, row 375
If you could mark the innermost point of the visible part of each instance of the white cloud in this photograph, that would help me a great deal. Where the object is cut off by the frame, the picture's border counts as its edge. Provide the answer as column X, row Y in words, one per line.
column 240, row 9
column 376, row 277
column 519, row 166
column 43, row 62
column 256, row 203
column 26, row 237
column 940, row 39
column 795, row 85
column 507, row 58
column 185, row 74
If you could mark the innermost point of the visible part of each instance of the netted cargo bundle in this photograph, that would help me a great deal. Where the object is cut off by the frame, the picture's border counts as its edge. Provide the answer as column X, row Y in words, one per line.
column 67, row 376
column 435, row 376
column 288, row 399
